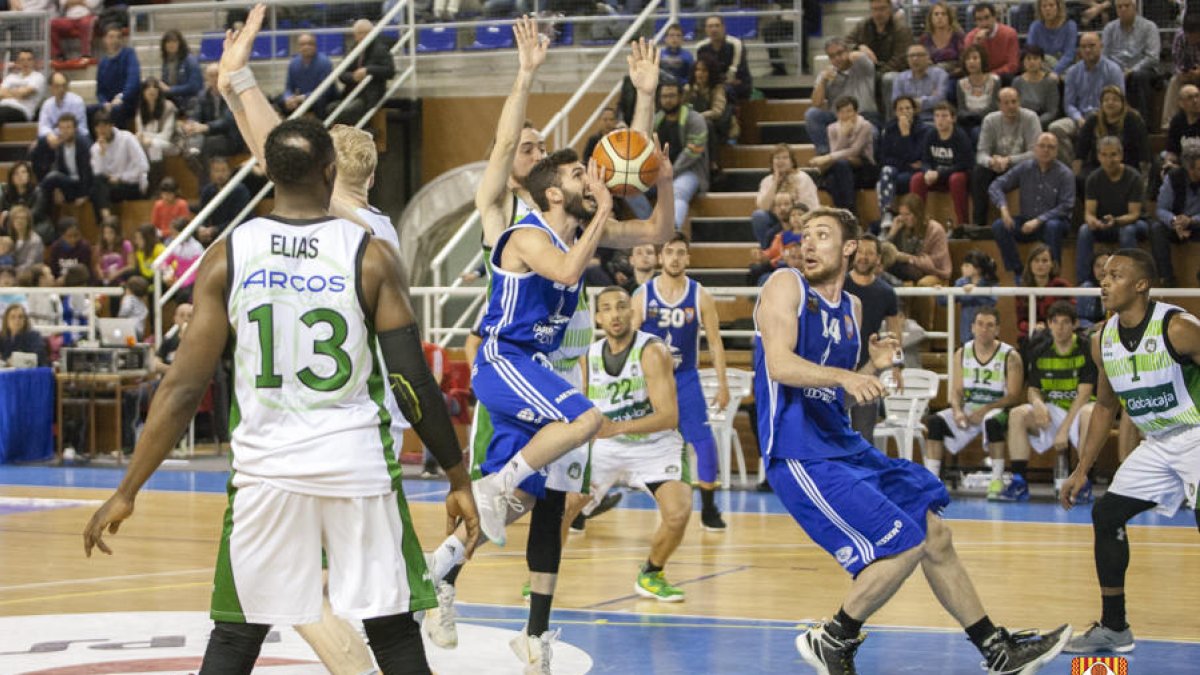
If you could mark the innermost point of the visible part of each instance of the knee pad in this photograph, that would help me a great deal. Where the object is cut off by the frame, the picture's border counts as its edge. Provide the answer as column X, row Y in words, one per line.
column 938, row 429
column 543, row 551
column 995, row 428
column 1112, row 511
column 396, row 642
column 233, row 648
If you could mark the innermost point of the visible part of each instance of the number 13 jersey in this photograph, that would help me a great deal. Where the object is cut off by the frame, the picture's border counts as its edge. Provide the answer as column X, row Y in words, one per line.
column 307, row 413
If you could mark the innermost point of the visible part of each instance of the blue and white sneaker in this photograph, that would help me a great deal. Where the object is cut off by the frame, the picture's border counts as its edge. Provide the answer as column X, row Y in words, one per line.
column 1017, row 491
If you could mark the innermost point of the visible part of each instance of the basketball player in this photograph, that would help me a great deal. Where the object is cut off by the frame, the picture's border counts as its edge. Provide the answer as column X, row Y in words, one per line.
column 630, row 379
column 877, row 516
column 986, row 383
column 673, row 306
column 1150, row 356
column 1062, row 377
column 313, row 462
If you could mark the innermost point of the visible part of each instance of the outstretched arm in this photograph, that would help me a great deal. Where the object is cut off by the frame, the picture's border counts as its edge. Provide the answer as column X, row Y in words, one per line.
column 643, row 72
column 534, row 250
column 255, row 115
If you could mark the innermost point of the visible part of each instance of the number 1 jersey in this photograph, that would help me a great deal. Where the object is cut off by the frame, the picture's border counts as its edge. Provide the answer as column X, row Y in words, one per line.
column 307, row 413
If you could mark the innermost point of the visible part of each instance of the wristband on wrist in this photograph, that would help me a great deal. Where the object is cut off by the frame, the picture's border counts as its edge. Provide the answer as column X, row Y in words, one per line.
column 242, row 79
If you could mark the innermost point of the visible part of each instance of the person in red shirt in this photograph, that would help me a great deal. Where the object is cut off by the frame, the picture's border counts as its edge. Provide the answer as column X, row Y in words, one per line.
column 168, row 207
column 998, row 40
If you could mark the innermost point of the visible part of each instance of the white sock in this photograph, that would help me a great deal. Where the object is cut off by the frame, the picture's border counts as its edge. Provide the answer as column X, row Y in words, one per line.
column 934, row 466
column 515, row 471
column 997, row 469
column 446, row 557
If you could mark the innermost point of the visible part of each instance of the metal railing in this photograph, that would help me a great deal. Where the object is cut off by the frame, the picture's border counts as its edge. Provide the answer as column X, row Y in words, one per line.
column 89, row 313
column 26, row 30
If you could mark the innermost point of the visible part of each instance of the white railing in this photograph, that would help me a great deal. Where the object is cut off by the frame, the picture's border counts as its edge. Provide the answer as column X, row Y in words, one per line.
column 89, row 313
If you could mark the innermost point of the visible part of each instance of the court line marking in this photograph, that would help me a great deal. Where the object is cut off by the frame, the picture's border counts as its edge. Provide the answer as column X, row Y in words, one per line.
column 98, row 580
column 110, row 591
column 705, row 577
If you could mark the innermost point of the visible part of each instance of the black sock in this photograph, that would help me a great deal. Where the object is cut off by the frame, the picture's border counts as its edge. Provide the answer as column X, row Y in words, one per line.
column 1113, row 617
column 708, row 499
column 1019, row 466
column 452, row 575
column 980, row 631
column 650, row 567
column 539, row 614
column 396, row 643
column 843, row 627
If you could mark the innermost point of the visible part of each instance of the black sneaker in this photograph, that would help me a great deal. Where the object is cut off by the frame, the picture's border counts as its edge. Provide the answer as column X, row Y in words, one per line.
column 829, row 655
column 712, row 520
column 578, row 524
column 610, row 500
column 764, row 487
column 1023, row 653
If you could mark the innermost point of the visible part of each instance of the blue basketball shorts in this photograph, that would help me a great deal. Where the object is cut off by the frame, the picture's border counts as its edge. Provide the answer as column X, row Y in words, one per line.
column 522, row 394
column 861, row 507
column 693, row 423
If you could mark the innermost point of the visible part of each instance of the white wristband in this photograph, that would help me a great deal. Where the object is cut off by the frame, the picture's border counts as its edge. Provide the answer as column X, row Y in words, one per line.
column 242, row 79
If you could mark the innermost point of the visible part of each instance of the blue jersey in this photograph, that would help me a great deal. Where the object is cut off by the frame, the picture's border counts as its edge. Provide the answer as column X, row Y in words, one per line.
column 810, row 422
column 678, row 324
column 528, row 310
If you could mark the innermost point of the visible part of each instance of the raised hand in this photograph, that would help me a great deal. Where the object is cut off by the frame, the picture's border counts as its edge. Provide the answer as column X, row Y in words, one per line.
column 594, row 180
column 666, row 171
column 531, row 45
column 237, row 48
column 643, row 66
column 883, row 350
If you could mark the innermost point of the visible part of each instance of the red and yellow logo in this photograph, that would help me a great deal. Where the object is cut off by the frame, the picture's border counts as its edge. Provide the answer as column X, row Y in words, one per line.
column 1100, row 665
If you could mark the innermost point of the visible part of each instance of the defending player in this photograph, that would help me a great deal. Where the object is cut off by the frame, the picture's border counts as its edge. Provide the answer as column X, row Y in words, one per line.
column 877, row 516
column 673, row 306
column 1149, row 353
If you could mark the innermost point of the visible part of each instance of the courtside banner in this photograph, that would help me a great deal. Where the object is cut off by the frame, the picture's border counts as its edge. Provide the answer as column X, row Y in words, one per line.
column 1100, row 665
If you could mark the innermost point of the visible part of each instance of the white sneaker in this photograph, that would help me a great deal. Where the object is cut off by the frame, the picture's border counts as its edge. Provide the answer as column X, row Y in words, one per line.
column 535, row 652
column 493, row 499
column 438, row 623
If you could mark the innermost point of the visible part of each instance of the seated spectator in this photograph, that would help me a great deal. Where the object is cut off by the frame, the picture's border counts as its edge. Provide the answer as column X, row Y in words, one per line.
column 45, row 309
column 28, row 246
column 1041, row 271
column 1055, row 34
column 999, row 42
column 1178, row 215
column 17, row 335
column 180, row 263
column 978, row 91
column 114, row 255
column 21, row 90
column 730, row 53
column 943, row 38
column 901, row 149
column 7, row 258
column 917, row 251
column 77, row 19
column 65, row 167
column 214, row 132
column 674, row 58
column 180, row 72
column 168, row 207
column 60, row 101
column 1185, row 63
column 765, row 261
column 376, row 61
column 1038, row 91
column 154, row 125
column 792, row 255
column 70, row 250
column 1112, row 206
column 1084, row 83
column 21, row 189
column 1132, row 42
column 146, row 249
column 947, row 162
column 1091, row 309
column 771, row 213
column 1047, row 197
column 706, row 95
column 133, row 304
column 119, row 166
column 689, row 156
column 118, row 78
column 306, row 70
column 608, row 124
column 1113, row 118
column 850, row 163
column 925, row 84
column 1006, row 139
column 850, row 73
column 978, row 271
column 1183, row 132
column 219, row 172
column 885, row 39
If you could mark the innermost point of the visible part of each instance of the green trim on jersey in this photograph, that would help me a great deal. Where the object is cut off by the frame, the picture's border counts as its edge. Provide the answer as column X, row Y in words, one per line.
column 1063, row 389
column 1157, row 392
column 685, row 465
column 481, row 436
column 984, row 383
column 421, row 593
column 235, row 410
column 226, row 606
column 375, row 389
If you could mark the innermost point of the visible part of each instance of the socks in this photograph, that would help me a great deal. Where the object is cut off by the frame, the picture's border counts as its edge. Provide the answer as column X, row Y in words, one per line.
column 515, row 471
column 708, row 499
column 997, row 469
column 449, row 555
column 1113, row 617
column 980, row 631
column 1019, row 466
column 935, row 467
column 452, row 576
column 650, row 567
column 539, row 614
column 843, row 626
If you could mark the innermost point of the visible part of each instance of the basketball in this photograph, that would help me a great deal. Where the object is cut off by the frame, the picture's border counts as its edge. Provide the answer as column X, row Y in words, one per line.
column 630, row 165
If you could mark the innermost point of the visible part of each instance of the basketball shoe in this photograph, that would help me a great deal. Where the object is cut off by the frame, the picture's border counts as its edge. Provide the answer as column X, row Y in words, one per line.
column 438, row 623
column 1017, row 491
column 494, row 499
column 654, row 585
column 535, row 651
column 829, row 655
column 1099, row 638
column 1023, row 653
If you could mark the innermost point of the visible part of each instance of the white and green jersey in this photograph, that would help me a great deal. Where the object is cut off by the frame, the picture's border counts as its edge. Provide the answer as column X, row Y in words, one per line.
column 577, row 338
column 984, row 383
column 1158, row 392
column 308, row 411
column 624, row 396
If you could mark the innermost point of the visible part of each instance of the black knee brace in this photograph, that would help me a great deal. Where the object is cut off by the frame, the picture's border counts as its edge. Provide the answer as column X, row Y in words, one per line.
column 995, row 428
column 1109, row 515
column 396, row 642
column 233, row 648
column 938, row 429
column 543, row 551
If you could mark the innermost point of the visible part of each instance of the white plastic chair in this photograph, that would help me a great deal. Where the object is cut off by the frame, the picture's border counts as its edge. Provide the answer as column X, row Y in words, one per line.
column 741, row 385
column 904, row 410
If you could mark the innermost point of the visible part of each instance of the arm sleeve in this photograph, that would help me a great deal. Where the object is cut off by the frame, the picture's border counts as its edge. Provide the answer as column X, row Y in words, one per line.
column 962, row 151
column 999, row 188
column 1069, row 97
column 1071, row 39
column 1166, row 198
column 418, row 395
column 133, row 73
column 45, row 128
column 1066, row 197
column 1151, row 49
column 900, row 44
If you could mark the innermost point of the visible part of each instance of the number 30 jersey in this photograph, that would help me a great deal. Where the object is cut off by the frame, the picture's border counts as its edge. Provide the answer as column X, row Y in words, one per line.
column 308, row 412
column 678, row 323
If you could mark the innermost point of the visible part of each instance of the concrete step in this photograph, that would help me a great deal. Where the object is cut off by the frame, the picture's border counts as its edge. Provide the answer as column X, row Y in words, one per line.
column 782, row 132
column 724, row 230
column 730, row 276
column 25, row 132
column 712, row 254
column 758, row 156
column 726, row 204
column 739, row 180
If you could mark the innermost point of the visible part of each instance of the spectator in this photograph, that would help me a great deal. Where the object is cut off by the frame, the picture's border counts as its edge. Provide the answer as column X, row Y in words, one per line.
column 219, row 172
column 45, row 309
column 1094, row 13
column 674, row 59
column 1047, row 196
column 706, row 95
column 1041, row 271
column 1055, row 34
column 978, row 272
column 180, row 263
column 1112, row 206
column 850, row 73
column 917, row 249
column 1091, row 309
column 21, row 189
column 1178, row 215
column 375, row 61
column 114, row 260
column 1185, row 61
column 729, row 52
column 643, row 260
column 885, row 40
column 306, row 70
column 65, row 168
column 880, row 313
column 154, row 125
column 686, row 135
column 999, row 42
column 978, row 91
column 133, row 304
column 119, row 166
column 71, row 250
column 146, row 249
column 1132, row 42
column 77, row 19
column 943, row 37
column 17, row 335
column 21, row 90
column 1113, row 118
column 947, row 161
column 769, row 216
column 180, row 72
column 168, row 207
column 1184, row 129
column 214, row 133
column 1084, row 82
column 60, row 101
column 901, row 148
column 28, row 246
column 1039, row 92
column 117, row 79
column 850, row 163
column 771, row 223
column 926, row 85
column 789, row 241
column 608, row 124
column 1006, row 139
column 764, row 261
